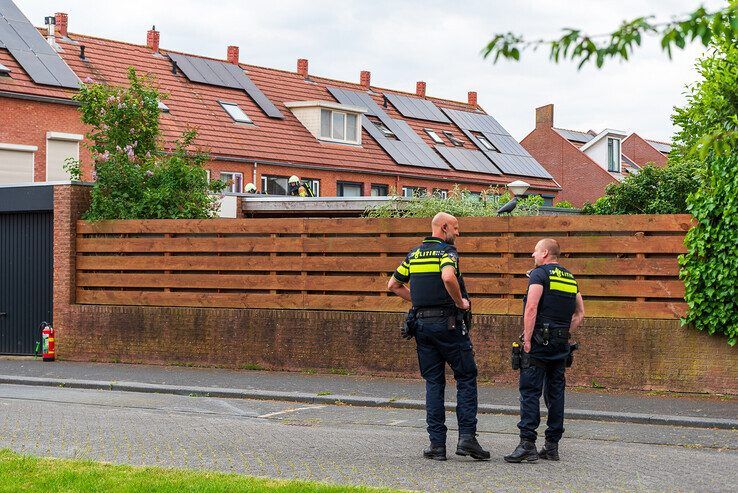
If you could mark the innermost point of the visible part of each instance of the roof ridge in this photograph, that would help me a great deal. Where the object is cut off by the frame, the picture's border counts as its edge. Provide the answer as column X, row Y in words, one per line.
column 658, row 141
column 571, row 130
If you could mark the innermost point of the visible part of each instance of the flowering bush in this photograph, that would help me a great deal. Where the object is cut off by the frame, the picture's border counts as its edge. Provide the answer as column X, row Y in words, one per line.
column 135, row 177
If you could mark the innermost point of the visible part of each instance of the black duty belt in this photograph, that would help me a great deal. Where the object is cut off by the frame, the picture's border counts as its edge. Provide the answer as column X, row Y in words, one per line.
column 434, row 312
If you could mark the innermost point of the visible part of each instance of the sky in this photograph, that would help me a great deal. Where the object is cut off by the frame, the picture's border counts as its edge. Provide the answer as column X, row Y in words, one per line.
column 435, row 41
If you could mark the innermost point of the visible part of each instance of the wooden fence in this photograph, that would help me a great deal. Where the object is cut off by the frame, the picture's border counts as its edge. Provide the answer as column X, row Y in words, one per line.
column 626, row 265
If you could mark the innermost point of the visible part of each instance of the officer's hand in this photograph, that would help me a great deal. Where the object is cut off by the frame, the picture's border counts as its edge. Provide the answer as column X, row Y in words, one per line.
column 526, row 347
column 465, row 305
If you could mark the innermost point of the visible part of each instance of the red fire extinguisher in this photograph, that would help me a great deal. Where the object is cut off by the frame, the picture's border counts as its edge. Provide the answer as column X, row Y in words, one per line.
column 47, row 342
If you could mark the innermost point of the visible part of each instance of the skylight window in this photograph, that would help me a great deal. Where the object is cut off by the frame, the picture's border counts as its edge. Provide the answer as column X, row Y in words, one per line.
column 383, row 128
column 163, row 107
column 453, row 139
column 236, row 112
column 4, row 71
column 486, row 143
column 433, row 135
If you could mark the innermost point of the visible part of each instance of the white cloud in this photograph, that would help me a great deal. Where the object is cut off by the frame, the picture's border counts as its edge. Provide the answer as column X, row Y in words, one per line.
column 437, row 41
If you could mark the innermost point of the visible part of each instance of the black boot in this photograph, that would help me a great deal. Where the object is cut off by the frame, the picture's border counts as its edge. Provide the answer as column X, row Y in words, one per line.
column 435, row 452
column 468, row 445
column 550, row 451
column 525, row 451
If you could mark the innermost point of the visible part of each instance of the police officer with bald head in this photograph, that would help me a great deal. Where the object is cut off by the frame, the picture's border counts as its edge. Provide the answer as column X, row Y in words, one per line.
column 437, row 295
column 553, row 308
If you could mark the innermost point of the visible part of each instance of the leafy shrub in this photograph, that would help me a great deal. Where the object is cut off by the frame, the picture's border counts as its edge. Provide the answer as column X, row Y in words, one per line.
column 564, row 204
column 135, row 178
column 460, row 203
column 654, row 190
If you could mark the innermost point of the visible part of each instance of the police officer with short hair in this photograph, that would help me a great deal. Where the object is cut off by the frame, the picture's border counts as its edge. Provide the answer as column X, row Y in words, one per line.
column 553, row 308
column 432, row 270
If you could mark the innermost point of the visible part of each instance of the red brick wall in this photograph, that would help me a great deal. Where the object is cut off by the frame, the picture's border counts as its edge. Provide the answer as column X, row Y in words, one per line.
column 616, row 353
column 581, row 179
column 641, row 152
column 26, row 123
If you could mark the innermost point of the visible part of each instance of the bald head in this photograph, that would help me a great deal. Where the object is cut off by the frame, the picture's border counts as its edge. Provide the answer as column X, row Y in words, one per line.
column 547, row 251
column 445, row 226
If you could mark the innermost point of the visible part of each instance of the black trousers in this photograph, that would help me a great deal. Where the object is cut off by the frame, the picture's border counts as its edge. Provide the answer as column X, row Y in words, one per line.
column 551, row 382
column 437, row 346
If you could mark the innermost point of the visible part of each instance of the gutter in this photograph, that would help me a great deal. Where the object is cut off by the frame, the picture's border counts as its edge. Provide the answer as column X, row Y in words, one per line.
column 40, row 99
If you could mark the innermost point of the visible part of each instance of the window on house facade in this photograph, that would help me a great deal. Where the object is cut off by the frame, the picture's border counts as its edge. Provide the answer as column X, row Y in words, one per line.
column 349, row 189
column 414, row 191
column 340, row 126
column 235, row 112
column 383, row 128
column 60, row 147
column 274, row 185
column 486, row 143
column 433, row 135
column 440, row 193
column 453, row 139
column 613, row 155
column 313, row 184
column 379, row 190
column 233, row 180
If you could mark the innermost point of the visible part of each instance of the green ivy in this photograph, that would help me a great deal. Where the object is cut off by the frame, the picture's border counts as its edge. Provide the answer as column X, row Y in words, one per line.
column 460, row 203
column 710, row 266
column 135, row 176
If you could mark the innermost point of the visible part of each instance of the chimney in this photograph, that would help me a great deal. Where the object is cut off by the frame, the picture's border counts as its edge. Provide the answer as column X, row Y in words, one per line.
column 365, row 79
column 420, row 88
column 471, row 98
column 302, row 67
column 233, row 55
column 152, row 39
column 545, row 116
column 62, row 20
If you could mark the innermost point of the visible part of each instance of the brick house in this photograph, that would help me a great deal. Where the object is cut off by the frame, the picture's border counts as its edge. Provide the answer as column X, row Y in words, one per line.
column 263, row 125
column 584, row 163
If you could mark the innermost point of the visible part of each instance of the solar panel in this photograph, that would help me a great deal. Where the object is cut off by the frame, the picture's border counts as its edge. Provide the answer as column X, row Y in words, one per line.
column 409, row 149
column 660, row 146
column 223, row 74
column 417, row 108
column 512, row 158
column 31, row 51
column 467, row 160
column 574, row 135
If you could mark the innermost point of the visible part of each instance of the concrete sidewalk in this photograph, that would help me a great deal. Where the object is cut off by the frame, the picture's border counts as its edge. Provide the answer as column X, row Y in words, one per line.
column 692, row 410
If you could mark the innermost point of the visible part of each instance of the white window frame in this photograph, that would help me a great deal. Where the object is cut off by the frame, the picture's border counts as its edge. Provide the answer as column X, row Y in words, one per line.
column 441, row 193
column 409, row 192
column 227, row 106
column 616, row 166
column 434, row 136
column 346, row 114
column 229, row 188
column 265, row 184
column 384, row 129
column 486, row 143
column 314, row 184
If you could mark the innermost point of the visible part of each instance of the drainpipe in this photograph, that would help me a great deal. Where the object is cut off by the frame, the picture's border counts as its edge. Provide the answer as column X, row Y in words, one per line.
column 253, row 180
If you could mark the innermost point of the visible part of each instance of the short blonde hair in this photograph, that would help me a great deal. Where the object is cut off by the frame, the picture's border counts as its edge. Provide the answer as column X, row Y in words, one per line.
column 554, row 250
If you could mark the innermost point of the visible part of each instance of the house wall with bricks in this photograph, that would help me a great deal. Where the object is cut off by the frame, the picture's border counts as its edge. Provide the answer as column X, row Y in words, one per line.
column 641, row 152
column 581, row 179
column 616, row 353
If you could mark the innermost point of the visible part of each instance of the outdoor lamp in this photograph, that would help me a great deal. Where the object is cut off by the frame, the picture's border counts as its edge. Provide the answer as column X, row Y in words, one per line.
column 518, row 188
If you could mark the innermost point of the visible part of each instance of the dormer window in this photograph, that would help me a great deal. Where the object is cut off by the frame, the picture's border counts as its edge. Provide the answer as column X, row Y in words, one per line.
column 235, row 112
column 613, row 155
column 453, row 139
column 486, row 143
column 329, row 121
column 338, row 125
column 433, row 135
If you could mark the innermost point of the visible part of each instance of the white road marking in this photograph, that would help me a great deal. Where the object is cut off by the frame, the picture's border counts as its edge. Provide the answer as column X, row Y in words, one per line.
column 277, row 413
column 396, row 422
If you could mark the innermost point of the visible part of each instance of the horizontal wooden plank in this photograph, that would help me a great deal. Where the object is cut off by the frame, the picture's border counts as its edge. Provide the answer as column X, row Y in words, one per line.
column 192, row 226
column 602, row 244
column 678, row 223
column 602, row 266
column 492, row 306
column 238, row 263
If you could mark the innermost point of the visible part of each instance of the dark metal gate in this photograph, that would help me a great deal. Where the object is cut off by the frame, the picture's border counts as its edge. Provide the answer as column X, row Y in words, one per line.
column 26, row 266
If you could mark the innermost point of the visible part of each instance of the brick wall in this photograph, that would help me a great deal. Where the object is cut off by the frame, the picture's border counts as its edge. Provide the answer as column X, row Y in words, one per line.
column 27, row 122
column 641, row 152
column 581, row 179
column 616, row 353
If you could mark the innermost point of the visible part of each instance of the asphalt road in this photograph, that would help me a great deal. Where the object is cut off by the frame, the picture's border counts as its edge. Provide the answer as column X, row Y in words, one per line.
column 353, row 445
